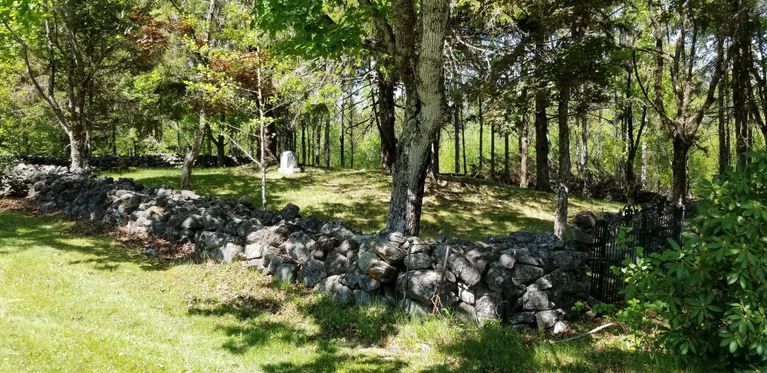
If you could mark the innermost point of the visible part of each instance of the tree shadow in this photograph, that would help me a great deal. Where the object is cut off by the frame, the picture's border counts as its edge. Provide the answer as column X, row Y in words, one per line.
column 500, row 349
column 334, row 329
column 102, row 252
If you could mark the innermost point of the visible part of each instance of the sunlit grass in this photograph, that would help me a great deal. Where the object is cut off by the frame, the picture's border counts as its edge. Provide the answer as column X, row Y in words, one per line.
column 464, row 207
column 73, row 303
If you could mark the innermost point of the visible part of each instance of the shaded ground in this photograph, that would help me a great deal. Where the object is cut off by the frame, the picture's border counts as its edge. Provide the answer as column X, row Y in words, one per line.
column 73, row 302
column 466, row 208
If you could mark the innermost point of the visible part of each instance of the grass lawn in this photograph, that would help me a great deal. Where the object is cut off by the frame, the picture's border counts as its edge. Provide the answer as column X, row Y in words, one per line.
column 89, row 303
column 467, row 208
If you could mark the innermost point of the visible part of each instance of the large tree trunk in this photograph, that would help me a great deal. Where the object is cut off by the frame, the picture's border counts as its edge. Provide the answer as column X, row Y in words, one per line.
column 423, row 111
column 542, row 140
column 560, row 213
column 386, row 121
column 78, row 148
column 679, row 170
column 523, row 132
column 193, row 151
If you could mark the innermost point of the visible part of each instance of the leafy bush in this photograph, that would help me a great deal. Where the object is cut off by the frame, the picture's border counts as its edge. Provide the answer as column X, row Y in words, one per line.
column 712, row 292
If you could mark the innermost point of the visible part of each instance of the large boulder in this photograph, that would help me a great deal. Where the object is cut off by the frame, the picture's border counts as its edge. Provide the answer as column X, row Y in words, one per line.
column 289, row 163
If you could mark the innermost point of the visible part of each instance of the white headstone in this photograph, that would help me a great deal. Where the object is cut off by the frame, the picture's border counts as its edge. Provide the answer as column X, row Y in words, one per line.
column 289, row 163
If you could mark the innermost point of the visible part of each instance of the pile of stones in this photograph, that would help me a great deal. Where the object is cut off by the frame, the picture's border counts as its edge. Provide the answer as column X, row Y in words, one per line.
column 525, row 279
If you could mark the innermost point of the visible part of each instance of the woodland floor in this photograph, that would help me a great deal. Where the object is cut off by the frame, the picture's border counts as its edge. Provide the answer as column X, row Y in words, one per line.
column 78, row 301
column 467, row 208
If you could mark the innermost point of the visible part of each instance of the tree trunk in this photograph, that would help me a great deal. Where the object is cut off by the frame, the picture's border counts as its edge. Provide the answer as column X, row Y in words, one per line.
column 386, row 121
column 424, row 92
column 506, row 165
column 542, row 140
column 193, row 151
column 481, row 130
column 463, row 136
column 679, row 170
column 457, row 137
column 327, row 139
column 303, row 143
column 523, row 132
column 342, row 138
column 560, row 214
column 724, row 146
column 492, row 149
column 584, row 150
column 78, row 148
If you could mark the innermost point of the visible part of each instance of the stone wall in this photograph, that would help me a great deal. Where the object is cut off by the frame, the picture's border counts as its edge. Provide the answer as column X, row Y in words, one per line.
column 117, row 162
column 524, row 279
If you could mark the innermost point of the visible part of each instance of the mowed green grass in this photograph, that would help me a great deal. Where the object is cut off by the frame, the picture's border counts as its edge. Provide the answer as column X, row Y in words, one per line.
column 70, row 302
column 464, row 207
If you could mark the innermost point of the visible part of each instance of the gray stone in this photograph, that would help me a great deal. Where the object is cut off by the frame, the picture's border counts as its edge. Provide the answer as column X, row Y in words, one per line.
column 362, row 281
column 466, row 295
column 522, row 318
column 546, row 319
column 285, row 273
column 386, row 250
column 192, row 222
column 311, row 273
column 507, row 260
column 418, row 285
column 525, row 274
column 336, row 264
column 382, row 272
column 270, row 236
column 536, row 300
column 418, row 261
column 254, row 250
column 560, row 327
column 458, row 264
column 366, row 259
column 333, row 287
column 362, row 298
column 487, row 307
column 290, row 212
column 397, row 237
column 415, row 308
column 468, row 310
column 585, row 219
column 498, row 277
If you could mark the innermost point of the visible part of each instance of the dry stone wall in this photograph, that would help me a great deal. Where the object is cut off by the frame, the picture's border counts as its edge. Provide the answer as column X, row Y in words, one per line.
column 525, row 279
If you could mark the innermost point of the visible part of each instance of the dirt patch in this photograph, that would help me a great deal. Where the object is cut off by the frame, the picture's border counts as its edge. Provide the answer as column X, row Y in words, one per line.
column 17, row 205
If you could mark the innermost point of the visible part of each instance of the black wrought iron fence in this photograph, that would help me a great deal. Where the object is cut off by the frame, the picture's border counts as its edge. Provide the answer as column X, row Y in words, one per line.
column 618, row 238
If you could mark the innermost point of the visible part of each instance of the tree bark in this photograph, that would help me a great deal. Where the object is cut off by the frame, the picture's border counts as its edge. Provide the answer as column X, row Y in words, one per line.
column 327, row 139
column 457, row 137
column 542, row 140
column 679, row 170
column 560, row 213
column 386, row 121
column 424, row 90
column 480, row 116
column 724, row 146
column 193, row 151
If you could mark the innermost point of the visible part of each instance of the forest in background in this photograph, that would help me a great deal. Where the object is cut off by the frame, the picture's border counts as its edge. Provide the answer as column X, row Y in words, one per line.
column 644, row 95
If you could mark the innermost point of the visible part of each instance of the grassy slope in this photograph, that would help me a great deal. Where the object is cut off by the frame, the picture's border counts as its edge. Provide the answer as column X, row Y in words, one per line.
column 89, row 303
column 466, row 208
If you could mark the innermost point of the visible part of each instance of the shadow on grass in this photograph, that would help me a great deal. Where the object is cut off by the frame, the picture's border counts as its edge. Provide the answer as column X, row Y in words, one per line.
column 333, row 330
column 501, row 349
column 21, row 230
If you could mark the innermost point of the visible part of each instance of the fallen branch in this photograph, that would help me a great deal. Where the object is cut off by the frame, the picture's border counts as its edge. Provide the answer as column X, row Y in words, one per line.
column 590, row 332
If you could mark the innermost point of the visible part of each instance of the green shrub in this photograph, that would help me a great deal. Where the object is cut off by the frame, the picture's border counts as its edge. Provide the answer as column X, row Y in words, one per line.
column 711, row 293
